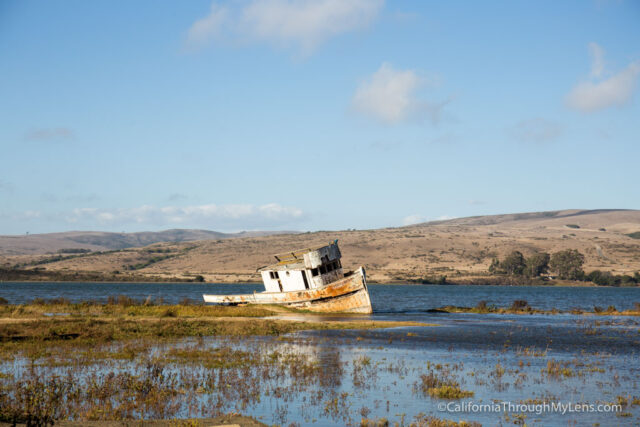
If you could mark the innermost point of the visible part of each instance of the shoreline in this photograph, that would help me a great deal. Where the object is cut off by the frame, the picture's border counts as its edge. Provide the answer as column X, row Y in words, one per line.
column 23, row 326
column 549, row 284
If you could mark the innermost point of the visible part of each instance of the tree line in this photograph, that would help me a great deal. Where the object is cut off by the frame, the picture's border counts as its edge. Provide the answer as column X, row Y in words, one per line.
column 566, row 264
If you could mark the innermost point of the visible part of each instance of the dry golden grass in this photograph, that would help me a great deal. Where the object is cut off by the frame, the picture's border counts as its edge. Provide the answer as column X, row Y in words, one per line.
column 455, row 248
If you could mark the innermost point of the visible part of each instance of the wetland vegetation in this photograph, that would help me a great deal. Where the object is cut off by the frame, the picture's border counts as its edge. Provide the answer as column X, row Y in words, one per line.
column 132, row 359
column 523, row 307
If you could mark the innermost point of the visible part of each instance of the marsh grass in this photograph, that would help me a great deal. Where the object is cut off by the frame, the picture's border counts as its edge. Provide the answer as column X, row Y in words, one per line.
column 160, row 383
column 523, row 307
column 131, row 367
column 442, row 385
column 422, row 420
column 219, row 358
column 36, row 338
column 123, row 306
column 558, row 370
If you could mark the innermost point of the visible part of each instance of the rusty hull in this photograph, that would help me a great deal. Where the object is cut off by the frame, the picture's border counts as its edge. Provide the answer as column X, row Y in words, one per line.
column 347, row 295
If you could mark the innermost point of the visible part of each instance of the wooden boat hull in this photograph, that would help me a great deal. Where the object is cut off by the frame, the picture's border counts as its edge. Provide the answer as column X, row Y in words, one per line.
column 347, row 295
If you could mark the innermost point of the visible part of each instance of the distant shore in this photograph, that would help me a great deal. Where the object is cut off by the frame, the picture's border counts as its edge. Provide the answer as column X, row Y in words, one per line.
column 39, row 276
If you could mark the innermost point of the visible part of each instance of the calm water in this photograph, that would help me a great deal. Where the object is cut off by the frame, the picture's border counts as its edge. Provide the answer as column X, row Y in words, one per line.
column 386, row 299
column 500, row 358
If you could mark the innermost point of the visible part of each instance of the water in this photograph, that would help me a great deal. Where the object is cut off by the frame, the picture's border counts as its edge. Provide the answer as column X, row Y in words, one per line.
column 500, row 358
column 386, row 299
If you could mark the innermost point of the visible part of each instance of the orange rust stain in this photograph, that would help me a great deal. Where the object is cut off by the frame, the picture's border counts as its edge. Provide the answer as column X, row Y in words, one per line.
column 347, row 295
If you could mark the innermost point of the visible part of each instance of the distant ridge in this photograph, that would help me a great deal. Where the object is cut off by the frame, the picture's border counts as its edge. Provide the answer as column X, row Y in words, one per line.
column 457, row 248
column 100, row 240
column 503, row 218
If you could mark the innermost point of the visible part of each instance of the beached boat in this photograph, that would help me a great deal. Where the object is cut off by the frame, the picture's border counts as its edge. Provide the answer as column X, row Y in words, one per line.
column 310, row 279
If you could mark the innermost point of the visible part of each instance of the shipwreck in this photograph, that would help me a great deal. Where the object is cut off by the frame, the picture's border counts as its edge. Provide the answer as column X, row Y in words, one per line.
column 311, row 279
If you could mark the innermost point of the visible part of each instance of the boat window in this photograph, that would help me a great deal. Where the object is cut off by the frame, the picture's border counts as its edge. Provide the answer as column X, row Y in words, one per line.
column 329, row 267
column 304, row 279
column 339, row 263
column 323, row 270
column 314, row 272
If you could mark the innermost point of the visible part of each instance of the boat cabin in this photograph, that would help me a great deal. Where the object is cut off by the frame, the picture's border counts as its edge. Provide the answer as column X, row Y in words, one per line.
column 303, row 269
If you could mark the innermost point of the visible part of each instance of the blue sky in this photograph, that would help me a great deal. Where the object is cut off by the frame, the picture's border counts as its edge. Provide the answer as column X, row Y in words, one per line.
column 309, row 115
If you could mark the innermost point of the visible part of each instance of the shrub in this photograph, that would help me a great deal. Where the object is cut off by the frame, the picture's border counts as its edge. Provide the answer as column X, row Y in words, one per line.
column 537, row 264
column 605, row 278
column 568, row 264
column 573, row 225
column 495, row 268
column 514, row 263
column 601, row 278
column 519, row 304
column 440, row 280
column 626, row 280
column 74, row 251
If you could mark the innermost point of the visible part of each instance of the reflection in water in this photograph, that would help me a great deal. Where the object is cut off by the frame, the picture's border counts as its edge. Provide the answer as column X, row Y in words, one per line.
column 338, row 377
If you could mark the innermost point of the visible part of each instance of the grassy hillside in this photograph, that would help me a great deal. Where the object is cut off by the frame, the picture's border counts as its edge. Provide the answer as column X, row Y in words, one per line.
column 455, row 248
column 75, row 241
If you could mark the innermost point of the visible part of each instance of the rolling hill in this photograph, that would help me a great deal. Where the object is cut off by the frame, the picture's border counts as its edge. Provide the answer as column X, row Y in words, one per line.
column 101, row 241
column 459, row 247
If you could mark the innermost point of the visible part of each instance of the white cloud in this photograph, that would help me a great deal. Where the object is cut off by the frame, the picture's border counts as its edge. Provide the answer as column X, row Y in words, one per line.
column 300, row 23
column 389, row 95
column 210, row 26
column 418, row 219
column 537, row 130
column 597, row 93
column 413, row 219
column 216, row 216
